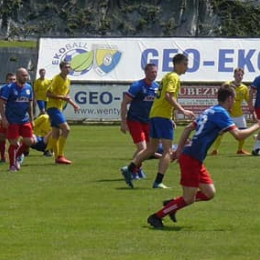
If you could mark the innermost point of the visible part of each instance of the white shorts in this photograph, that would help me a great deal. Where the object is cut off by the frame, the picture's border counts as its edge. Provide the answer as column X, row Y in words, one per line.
column 240, row 122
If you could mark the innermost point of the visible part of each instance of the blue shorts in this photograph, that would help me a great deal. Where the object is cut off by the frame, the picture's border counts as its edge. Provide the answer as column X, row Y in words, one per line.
column 56, row 116
column 161, row 128
column 41, row 104
column 40, row 145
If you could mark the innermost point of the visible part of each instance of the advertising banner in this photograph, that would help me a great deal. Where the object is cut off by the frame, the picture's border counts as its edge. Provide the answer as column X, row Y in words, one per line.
column 123, row 59
column 102, row 101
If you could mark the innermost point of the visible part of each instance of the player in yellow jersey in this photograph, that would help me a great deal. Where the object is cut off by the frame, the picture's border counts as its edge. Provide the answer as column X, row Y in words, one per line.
column 58, row 93
column 40, row 87
column 236, row 113
column 161, row 124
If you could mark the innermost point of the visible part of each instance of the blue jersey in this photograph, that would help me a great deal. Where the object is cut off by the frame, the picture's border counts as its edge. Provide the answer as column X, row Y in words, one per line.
column 209, row 125
column 17, row 102
column 256, row 85
column 142, row 96
column 39, row 145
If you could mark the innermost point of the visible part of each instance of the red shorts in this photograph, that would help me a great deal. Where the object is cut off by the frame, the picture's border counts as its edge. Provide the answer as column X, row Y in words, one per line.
column 257, row 111
column 139, row 131
column 193, row 172
column 14, row 131
column 2, row 129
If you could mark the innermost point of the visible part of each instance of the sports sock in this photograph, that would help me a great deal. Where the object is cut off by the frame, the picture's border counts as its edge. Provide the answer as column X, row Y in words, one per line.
column 159, row 178
column 200, row 196
column 131, row 167
column 2, row 149
column 257, row 145
column 240, row 145
column 61, row 145
column 172, row 206
column 23, row 147
column 54, row 144
column 49, row 144
column 12, row 151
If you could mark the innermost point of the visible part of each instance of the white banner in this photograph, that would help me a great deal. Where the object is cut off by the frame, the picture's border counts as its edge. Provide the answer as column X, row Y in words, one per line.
column 102, row 102
column 123, row 59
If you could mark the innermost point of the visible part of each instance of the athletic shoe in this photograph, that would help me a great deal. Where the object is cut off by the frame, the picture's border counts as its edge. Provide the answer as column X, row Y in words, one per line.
column 3, row 160
column 127, row 176
column 214, row 152
column 159, row 186
column 243, row 152
column 62, row 160
column 20, row 158
column 256, row 152
column 13, row 169
column 17, row 165
column 141, row 174
column 155, row 221
column 172, row 214
column 47, row 153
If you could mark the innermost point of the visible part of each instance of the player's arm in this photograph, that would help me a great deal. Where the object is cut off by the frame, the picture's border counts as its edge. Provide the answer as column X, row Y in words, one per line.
column 241, row 134
column 2, row 112
column 127, row 100
column 72, row 103
column 30, row 111
column 184, row 139
column 252, row 92
column 169, row 96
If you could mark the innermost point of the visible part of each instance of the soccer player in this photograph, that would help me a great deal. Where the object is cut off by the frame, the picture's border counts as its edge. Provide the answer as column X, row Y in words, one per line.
column 135, row 119
column 161, row 124
column 255, row 93
column 236, row 112
column 196, row 182
column 16, row 108
column 58, row 93
column 40, row 87
column 10, row 78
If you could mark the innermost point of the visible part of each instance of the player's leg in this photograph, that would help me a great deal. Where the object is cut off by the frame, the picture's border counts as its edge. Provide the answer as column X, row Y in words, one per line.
column 216, row 145
column 65, row 129
column 2, row 143
column 42, row 106
column 256, row 148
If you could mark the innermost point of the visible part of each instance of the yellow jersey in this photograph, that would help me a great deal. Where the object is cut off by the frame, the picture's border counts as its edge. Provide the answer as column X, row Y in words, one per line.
column 59, row 86
column 242, row 94
column 161, row 107
column 40, row 88
column 42, row 125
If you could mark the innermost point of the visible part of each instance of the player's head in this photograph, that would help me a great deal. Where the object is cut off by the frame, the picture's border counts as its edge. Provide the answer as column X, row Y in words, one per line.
column 22, row 76
column 226, row 95
column 42, row 73
column 180, row 63
column 10, row 77
column 238, row 75
column 150, row 72
column 65, row 67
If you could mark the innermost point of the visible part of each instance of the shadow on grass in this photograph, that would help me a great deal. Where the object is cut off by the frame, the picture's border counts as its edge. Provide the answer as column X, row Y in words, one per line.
column 166, row 228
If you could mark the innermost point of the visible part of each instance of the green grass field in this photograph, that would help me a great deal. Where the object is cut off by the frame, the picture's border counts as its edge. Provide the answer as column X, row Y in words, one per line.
column 85, row 210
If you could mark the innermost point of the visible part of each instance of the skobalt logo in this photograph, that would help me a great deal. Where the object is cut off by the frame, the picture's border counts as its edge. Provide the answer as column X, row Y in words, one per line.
column 100, row 57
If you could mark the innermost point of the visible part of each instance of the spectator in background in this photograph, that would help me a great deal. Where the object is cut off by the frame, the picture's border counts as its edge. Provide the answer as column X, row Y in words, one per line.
column 135, row 119
column 10, row 78
column 40, row 87
column 16, row 108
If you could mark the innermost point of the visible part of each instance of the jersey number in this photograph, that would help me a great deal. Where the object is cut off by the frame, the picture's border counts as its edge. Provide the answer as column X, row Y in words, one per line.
column 201, row 123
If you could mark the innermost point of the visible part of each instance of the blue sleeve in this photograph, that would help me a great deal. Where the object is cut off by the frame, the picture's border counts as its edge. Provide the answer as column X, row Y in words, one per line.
column 5, row 92
column 134, row 89
column 256, row 82
column 224, row 121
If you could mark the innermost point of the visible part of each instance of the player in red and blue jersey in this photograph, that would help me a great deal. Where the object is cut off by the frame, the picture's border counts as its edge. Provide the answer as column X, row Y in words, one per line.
column 195, row 179
column 139, row 97
column 255, row 92
column 16, row 108
column 10, row 77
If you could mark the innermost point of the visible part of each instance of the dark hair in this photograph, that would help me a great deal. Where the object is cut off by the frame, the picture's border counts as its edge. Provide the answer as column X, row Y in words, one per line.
column 9, row 74
column 178, row 58
column 63, row 63
column 40, row 70
column 225, row 91
column 148, row 66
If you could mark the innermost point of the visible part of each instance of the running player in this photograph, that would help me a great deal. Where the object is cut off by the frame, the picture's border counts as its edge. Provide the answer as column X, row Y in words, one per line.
column 195, row 179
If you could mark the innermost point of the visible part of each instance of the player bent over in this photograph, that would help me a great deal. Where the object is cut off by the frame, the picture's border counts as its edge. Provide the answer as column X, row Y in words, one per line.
column 195, row 179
